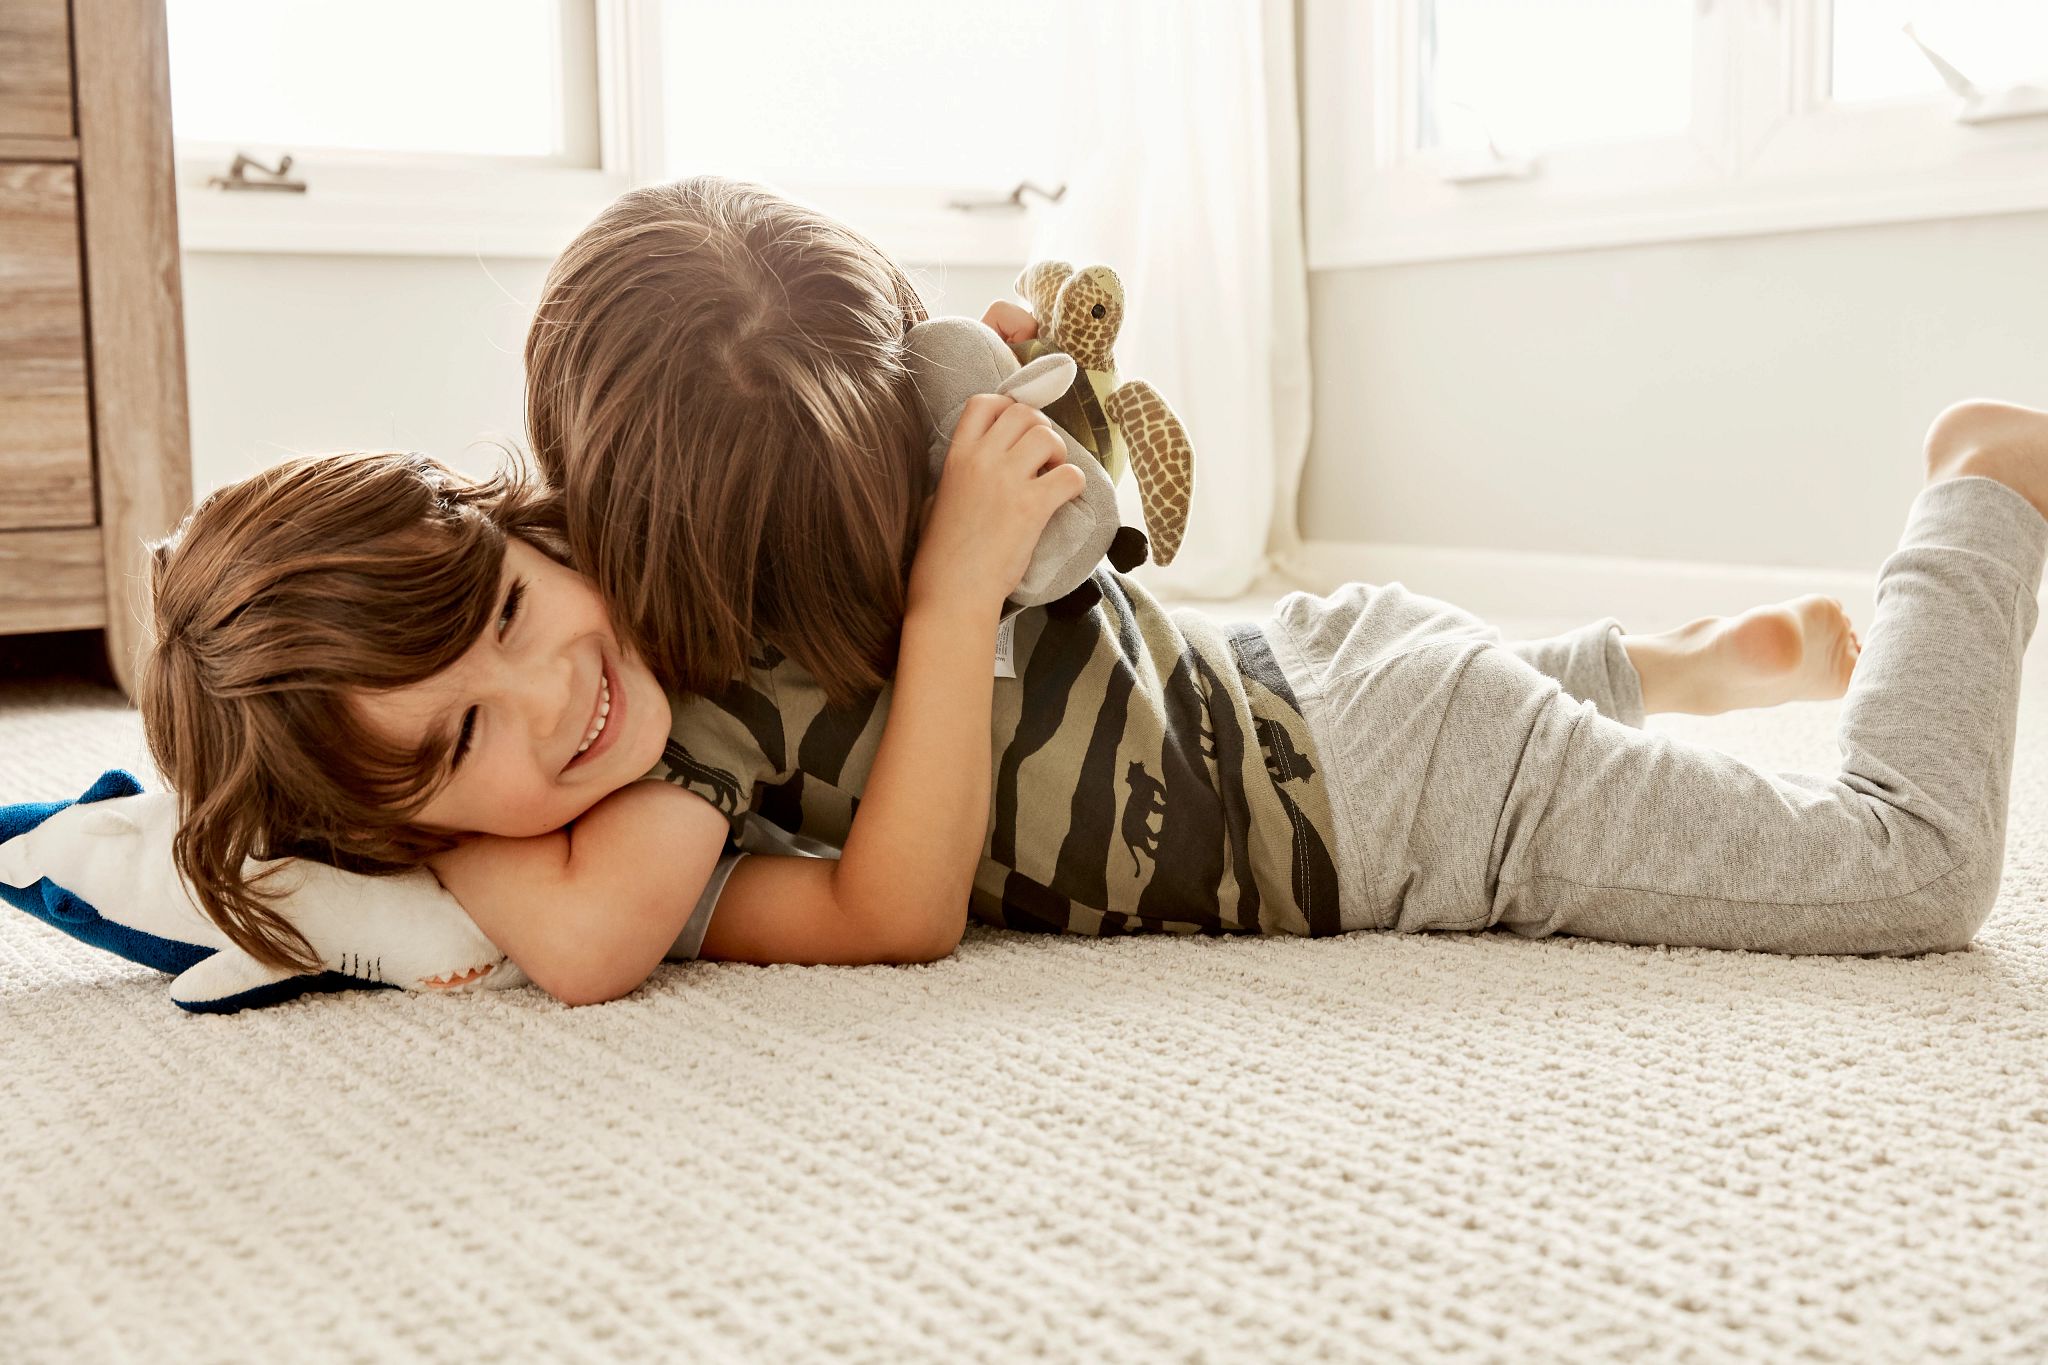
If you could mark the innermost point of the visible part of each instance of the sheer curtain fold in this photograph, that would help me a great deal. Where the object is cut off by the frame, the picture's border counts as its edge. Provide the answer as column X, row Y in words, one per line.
column 1193, row 194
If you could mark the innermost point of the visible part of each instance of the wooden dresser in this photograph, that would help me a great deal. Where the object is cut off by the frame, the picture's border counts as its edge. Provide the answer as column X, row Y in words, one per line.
column 95, row 456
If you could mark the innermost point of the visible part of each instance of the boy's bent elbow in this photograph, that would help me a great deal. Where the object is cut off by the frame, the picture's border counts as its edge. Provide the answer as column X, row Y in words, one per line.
column 591, row 994
column 571, row 990
column 932, row 952
column 939, row 945
column 574, row 998
column 585, row 983
column 917, row 939
column 892, row 939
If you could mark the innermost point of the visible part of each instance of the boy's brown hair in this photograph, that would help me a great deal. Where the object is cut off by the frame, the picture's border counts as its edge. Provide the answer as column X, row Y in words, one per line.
column 275, row 599
column 716, row 380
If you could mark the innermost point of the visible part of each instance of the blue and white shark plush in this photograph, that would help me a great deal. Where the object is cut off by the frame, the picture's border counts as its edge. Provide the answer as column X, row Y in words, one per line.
column 100, row 869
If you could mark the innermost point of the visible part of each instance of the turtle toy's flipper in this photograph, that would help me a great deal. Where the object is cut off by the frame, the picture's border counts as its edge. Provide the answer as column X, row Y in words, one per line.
column 1163, row 459
column 1039, row 286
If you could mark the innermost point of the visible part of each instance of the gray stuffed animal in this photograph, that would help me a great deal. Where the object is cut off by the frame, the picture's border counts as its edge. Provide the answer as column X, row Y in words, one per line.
column 952, row 359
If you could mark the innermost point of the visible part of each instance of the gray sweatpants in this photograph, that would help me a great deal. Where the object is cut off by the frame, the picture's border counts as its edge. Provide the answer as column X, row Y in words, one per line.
column 1477, row 784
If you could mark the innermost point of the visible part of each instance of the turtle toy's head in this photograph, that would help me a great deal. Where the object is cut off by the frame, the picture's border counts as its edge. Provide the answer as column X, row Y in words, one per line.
column 1087, row 315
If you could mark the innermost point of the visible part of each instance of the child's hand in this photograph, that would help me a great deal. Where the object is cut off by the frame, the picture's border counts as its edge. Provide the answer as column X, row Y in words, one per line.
column 1010, row 322
column 1005, row 474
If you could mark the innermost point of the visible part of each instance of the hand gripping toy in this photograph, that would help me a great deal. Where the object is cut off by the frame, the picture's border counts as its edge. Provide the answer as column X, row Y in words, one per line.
column 1120, row 422
column 100, row 869
column 953, row 359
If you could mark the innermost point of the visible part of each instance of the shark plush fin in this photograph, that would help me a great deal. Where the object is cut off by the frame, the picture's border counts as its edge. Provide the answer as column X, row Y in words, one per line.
column 23, row 884
column 231, row 980
column 110, row 784
column 222, row 976
column 20, row 819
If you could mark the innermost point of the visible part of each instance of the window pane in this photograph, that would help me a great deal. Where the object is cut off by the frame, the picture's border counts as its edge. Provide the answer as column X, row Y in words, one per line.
column 1548, row 73
column 475, row 77
column 1993, row 42
column 831, row 93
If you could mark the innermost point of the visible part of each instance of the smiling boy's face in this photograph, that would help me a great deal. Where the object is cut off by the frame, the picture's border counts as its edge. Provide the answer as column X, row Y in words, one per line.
column 559, row 713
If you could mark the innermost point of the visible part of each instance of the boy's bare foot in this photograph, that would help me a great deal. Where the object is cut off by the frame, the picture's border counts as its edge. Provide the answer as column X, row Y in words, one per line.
column 1801, row 650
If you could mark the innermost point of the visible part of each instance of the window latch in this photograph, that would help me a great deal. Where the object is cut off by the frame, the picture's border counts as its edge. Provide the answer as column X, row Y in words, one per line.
column 1011, row 203
column 237, row 177
column 1981, row 106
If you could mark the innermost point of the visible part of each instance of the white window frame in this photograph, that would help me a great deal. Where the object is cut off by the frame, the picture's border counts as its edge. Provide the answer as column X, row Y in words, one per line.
column 1767, row 151
column 410, row 205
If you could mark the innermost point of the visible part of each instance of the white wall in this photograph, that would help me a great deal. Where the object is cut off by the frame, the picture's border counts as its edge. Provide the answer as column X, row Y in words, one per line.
column 294, row 354
column 1749, row 400
column 289, row 354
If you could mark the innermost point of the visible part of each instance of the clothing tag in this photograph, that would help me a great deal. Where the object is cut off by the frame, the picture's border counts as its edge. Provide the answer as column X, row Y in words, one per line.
column 1006, row 649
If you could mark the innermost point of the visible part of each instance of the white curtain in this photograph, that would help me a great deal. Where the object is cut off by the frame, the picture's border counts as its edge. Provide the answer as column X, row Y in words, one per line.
column 1192, row 193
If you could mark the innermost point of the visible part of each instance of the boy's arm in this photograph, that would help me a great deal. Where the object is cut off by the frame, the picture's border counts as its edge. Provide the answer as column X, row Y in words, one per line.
column 923, row 818
column 587, row 912
column 918, row 834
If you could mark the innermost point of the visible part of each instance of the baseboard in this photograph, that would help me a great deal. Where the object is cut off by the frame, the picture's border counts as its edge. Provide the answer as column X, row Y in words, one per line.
column 1646, row 594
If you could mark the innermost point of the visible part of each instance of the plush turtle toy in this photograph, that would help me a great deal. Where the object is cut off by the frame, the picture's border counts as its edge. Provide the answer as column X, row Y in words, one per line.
column 1120, row 422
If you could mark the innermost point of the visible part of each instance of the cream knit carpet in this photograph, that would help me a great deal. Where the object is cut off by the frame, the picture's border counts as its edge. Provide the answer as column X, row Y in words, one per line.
column 1452, row 1147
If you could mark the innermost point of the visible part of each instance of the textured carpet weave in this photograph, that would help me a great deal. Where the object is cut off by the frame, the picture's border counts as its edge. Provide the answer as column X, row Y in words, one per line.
column 1450, row 1147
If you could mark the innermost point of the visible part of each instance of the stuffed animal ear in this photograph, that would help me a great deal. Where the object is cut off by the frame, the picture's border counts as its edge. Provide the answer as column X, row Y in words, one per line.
column 1043, row 382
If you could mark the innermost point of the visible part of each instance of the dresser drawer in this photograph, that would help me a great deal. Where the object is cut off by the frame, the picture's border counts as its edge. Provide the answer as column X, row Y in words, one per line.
column 35, row 68
column 51, row 580
column 45, row 424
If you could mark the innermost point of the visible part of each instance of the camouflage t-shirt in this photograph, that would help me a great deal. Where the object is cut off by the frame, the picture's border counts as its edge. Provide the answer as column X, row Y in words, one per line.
column 1152, row 771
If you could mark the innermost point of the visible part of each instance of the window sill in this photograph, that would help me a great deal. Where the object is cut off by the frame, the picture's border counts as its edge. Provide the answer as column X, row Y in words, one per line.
column 450, row 210
column 533, row 214
column 1456, row 233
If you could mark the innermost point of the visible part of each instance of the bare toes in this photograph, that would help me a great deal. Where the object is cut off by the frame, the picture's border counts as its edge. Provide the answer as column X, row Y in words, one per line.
column 1831, row 643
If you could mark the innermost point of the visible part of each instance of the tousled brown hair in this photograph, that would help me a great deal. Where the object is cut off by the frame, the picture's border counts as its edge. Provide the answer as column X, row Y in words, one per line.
column 716, row 380
column 275, row 599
